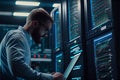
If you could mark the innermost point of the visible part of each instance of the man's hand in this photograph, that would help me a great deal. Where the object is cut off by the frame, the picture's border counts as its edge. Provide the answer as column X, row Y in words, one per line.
column 58, row 76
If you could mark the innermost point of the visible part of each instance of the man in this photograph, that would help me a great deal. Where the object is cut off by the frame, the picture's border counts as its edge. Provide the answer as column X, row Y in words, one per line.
column 15, row 48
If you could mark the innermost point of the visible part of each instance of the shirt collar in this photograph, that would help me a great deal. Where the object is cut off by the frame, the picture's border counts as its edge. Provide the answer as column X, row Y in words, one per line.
column 27, row 35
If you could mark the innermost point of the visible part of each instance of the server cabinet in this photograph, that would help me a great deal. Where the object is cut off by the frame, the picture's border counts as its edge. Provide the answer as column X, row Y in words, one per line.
column 98, row 17
column 75, row 44
column 56, row 32
column 57, row 29
column 102, row 62
column 75, row 47
column 101, row 24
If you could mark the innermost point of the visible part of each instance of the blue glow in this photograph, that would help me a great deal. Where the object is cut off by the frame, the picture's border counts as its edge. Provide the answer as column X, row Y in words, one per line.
column 75, row 49
column 76, row 52
column 74, row 46
column 77, row 67
column 102, row 38
column 57, row 29
column 59, row 61
column 98, row 41
column 74, row 56
column 92, row 13
column 59, row 55
column 76, row 78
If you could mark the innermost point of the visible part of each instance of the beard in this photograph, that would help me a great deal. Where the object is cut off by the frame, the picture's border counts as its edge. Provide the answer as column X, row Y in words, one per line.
column 36, row 37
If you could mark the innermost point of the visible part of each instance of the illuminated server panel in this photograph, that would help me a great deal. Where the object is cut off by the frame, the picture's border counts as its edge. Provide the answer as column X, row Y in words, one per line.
column 77, row 71
column 59, row 63
column 41, row 57
column 74, row 11
column 100, row 10
column 98, row 16
column 104, row 57
column 74, row 19
column 38, row 51
column 56, row 29
column 57, row 40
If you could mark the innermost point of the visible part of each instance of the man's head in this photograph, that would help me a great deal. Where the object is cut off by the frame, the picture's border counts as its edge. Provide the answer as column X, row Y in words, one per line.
column 39, row 22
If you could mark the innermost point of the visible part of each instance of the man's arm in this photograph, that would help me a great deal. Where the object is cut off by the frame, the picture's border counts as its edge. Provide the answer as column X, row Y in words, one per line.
column 15, row 49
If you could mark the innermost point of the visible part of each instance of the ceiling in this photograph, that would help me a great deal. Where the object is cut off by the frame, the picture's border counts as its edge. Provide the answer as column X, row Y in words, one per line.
column 9, row 6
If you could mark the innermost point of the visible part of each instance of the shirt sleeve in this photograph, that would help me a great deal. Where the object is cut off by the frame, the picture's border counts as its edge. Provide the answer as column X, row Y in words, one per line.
column 15, row 49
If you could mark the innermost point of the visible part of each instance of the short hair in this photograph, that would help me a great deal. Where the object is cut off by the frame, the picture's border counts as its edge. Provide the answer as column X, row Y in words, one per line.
column 40, row 15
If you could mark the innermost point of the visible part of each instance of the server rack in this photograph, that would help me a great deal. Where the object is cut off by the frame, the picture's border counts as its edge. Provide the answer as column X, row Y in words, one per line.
column 98, row 17
column 73, row 44
column 56, row 29
column 100, row 32
column 57, row 56
column 75, row 47
column 102, row 57
column 40, row 58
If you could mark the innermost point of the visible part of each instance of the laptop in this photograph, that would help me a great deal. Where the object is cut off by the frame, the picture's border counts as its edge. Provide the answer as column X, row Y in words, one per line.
column 71, row 65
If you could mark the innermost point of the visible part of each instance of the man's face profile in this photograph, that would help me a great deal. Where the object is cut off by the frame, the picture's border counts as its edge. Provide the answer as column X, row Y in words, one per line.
column 40, row 31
